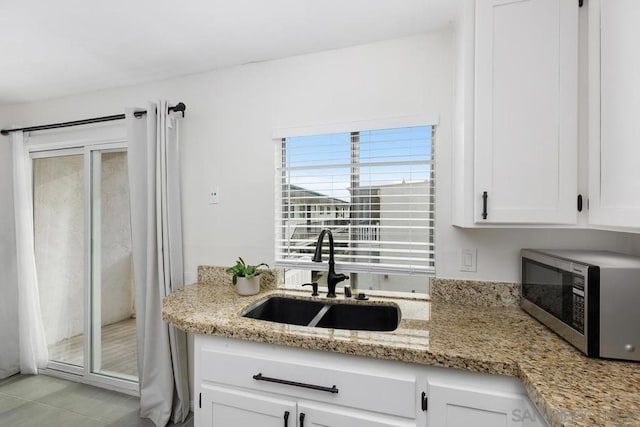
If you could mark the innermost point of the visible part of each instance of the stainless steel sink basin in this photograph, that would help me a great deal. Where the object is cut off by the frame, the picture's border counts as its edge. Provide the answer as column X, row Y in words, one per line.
column 304, row 312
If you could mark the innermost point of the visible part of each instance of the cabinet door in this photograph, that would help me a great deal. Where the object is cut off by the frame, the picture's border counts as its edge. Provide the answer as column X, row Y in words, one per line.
column 526, row 103
column 318, row 415
column 614, row 128
column 222, row 407
column 456, row 406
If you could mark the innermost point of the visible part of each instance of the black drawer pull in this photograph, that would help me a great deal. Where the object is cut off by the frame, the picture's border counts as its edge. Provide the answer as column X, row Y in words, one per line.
column 302, row 419
column 259, row 377
column 286, row 418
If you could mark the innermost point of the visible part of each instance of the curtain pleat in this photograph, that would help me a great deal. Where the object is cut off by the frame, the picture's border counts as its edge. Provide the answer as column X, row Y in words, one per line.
column 156, row 228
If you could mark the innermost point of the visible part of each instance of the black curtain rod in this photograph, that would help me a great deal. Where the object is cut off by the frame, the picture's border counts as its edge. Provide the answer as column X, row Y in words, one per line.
column 180, row 107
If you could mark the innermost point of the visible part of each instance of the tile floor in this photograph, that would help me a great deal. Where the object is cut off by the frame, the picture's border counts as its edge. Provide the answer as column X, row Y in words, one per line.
column 35, row 401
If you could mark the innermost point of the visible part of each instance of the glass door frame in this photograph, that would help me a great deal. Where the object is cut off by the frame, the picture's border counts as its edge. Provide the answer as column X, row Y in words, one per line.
column 85, row 373
column 53, row 153
column 93, row 343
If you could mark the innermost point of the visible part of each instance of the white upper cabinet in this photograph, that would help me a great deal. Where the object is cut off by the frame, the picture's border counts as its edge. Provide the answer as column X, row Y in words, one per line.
column 523, row 87
column 614, row 107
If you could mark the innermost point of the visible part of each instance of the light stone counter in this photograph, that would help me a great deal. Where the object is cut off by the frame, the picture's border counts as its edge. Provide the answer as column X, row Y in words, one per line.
column 568, row 388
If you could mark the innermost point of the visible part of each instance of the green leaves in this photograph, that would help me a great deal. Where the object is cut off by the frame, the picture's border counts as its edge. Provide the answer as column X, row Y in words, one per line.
column 241, row 269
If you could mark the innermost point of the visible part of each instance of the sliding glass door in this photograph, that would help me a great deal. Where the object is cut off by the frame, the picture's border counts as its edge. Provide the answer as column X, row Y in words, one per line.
column 113, row 323
column 84, row 265
column 58, row 207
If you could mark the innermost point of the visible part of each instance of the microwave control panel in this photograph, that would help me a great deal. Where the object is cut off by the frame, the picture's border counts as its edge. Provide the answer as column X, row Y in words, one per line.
column 578, row 303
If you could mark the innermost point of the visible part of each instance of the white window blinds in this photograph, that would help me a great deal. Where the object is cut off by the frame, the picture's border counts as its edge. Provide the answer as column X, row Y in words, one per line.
column 373, row 189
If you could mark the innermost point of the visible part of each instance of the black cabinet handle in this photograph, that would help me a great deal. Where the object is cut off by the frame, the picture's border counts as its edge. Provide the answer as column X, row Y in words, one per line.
column 286, row 418
column 259, row 377
column 485, row 196
column 579, row 202
column 302, row 419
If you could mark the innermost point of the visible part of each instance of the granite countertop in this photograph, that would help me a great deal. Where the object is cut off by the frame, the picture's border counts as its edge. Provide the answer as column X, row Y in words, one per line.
column 568, row 388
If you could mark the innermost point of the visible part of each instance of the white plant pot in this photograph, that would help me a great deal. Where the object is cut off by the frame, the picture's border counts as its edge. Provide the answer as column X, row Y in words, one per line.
column 248, row 286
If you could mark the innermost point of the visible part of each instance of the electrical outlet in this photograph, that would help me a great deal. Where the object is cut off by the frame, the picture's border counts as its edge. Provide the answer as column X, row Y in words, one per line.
column 468, row 260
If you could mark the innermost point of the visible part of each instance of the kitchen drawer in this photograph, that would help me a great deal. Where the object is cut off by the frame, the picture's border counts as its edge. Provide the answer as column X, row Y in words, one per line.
column 385, row 392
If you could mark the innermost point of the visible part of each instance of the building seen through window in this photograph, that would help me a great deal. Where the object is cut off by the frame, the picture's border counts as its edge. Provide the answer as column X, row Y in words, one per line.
column 375, row 190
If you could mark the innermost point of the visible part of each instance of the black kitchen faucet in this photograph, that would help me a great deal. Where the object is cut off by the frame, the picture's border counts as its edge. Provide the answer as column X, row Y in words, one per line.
column 332, row 279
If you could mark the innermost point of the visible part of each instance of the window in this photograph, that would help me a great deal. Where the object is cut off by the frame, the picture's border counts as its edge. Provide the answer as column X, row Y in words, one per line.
column 373, row 189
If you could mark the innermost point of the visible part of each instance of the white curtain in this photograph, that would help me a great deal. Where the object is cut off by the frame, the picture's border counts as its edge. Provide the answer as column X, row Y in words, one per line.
column 156, row 228
column 33, row 343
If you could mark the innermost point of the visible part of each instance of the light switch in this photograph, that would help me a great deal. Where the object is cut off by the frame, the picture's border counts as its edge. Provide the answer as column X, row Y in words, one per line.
column 214, row 196
column 468, row 260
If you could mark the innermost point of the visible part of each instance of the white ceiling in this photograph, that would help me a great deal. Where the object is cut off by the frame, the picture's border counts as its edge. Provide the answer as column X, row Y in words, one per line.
column 61, row 47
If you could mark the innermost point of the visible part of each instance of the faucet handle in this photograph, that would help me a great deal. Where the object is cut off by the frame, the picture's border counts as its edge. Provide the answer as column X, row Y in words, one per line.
column 340, row 277
column 314, row 288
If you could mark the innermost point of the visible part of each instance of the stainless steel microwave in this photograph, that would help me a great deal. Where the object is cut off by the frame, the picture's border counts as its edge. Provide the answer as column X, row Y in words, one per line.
column 589, row 298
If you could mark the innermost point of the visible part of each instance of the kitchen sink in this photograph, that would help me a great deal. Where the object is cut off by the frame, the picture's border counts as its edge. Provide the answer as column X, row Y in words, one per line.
column 361, row 317
column 304, row 312
column 285, row 310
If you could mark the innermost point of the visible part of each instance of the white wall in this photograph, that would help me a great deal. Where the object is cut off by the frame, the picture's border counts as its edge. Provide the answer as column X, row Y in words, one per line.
column 226, row 142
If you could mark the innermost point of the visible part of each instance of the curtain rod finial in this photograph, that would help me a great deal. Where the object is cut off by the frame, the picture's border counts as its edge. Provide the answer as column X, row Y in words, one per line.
column 179, row 107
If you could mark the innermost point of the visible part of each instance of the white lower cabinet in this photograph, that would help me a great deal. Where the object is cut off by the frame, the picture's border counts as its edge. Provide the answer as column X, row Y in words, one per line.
column 221, row 406
column 317, row 415
column 463, row 406
column 246, row 384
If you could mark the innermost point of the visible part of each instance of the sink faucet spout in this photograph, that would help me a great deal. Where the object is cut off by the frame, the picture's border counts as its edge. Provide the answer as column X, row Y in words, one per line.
column 332, row 279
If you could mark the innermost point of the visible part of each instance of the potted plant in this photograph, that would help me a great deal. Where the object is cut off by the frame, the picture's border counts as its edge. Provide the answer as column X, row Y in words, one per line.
column 246, row 277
